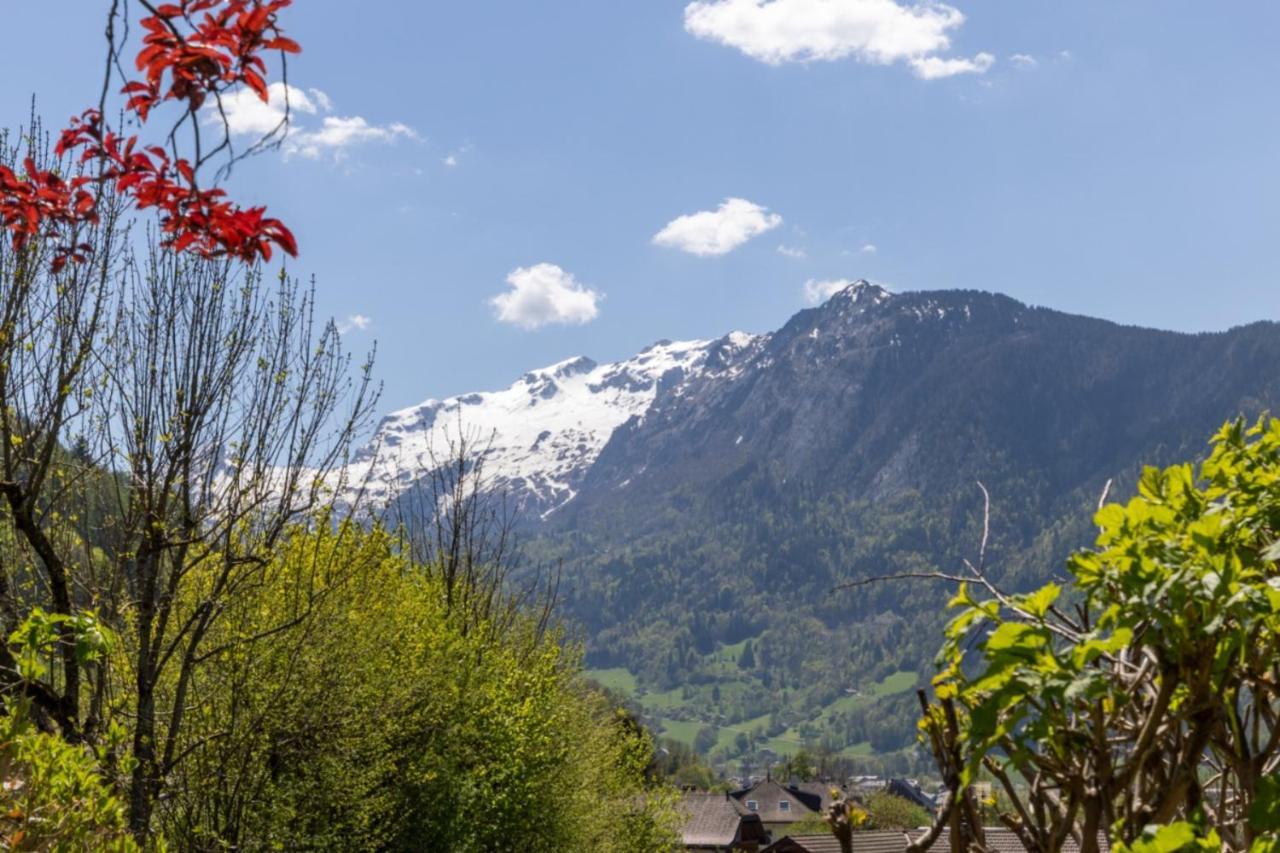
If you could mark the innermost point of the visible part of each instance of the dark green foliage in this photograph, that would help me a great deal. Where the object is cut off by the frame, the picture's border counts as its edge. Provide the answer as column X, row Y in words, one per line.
column 705, row 739
column 677, row 764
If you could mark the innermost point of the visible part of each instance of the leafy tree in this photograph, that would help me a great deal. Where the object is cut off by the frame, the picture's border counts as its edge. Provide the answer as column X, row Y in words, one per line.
column 801, row 765
column 1145, row 702
column 811, row 824
column 204, row 411
column 212, row 412
column 889, row 811
column 705, row 739
column 677, row 764
column 881, row 811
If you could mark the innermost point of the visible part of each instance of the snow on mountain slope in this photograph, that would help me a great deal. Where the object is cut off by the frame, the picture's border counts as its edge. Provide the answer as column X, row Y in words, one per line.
column 546, row 430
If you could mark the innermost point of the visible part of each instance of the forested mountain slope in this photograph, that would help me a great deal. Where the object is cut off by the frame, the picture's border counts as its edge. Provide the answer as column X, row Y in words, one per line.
column 848, row 444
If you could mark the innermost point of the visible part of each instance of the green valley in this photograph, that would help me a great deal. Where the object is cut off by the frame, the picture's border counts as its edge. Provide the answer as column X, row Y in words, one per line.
column 709, row 717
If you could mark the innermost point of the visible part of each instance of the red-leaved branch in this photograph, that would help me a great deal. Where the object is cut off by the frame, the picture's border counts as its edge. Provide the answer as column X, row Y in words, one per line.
column 192, row 51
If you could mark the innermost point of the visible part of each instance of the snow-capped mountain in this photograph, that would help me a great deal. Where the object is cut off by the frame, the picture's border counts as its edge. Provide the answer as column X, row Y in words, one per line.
column 544, row 432
column 703, row 493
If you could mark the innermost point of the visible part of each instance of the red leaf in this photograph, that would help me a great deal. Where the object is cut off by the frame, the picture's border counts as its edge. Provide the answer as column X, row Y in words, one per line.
column 198, row 58
column 256, row 83
column 148, row 55
column 184, row 241
column 285, row 44
column 140, row 105
column 283, row 236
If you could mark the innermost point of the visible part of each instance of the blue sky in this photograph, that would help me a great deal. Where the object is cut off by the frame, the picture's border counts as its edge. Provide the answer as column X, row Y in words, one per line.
column 1114, row 159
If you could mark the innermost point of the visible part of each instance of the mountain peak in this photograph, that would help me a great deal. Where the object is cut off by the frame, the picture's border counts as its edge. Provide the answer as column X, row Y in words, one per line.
column 547, row 428
column 861, row 291
column 561, row 369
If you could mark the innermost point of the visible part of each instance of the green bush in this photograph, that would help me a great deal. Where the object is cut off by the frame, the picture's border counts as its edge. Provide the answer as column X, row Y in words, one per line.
column 383, row 723
column 54, row 796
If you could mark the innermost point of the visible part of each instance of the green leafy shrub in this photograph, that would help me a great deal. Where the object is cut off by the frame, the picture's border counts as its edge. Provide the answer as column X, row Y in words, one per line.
column 382, row 723
column 54, row 796
column 1144, row 700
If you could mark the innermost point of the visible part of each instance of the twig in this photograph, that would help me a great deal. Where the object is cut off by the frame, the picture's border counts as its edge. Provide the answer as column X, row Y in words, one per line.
column 937, row 576
column 1106, row 490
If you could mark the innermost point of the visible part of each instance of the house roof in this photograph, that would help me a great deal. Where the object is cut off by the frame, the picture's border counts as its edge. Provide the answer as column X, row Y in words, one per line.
column 870, row 842
column 819, row 791
column 910, row 792
column 713, row 820
column 998, row 838
column 769, row 796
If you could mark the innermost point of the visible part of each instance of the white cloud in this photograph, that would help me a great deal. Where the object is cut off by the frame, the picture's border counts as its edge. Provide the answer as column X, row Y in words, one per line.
column 1023, row 60
column 869, row 248
column 454, row 158
column 338, row 133
column 879, row 32
column 322, row 100
column 792, row 252
column 937, row 67
column 544, row 294
column 716, row 232
column 355, row 321
column 249, row 115
column 816, row 292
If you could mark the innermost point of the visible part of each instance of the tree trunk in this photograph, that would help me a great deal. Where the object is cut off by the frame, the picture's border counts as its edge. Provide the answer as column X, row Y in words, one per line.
column 142, row 783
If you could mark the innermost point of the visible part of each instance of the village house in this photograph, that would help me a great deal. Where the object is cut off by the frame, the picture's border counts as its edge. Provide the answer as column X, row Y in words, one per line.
column 718, row 823
column 780, row 806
